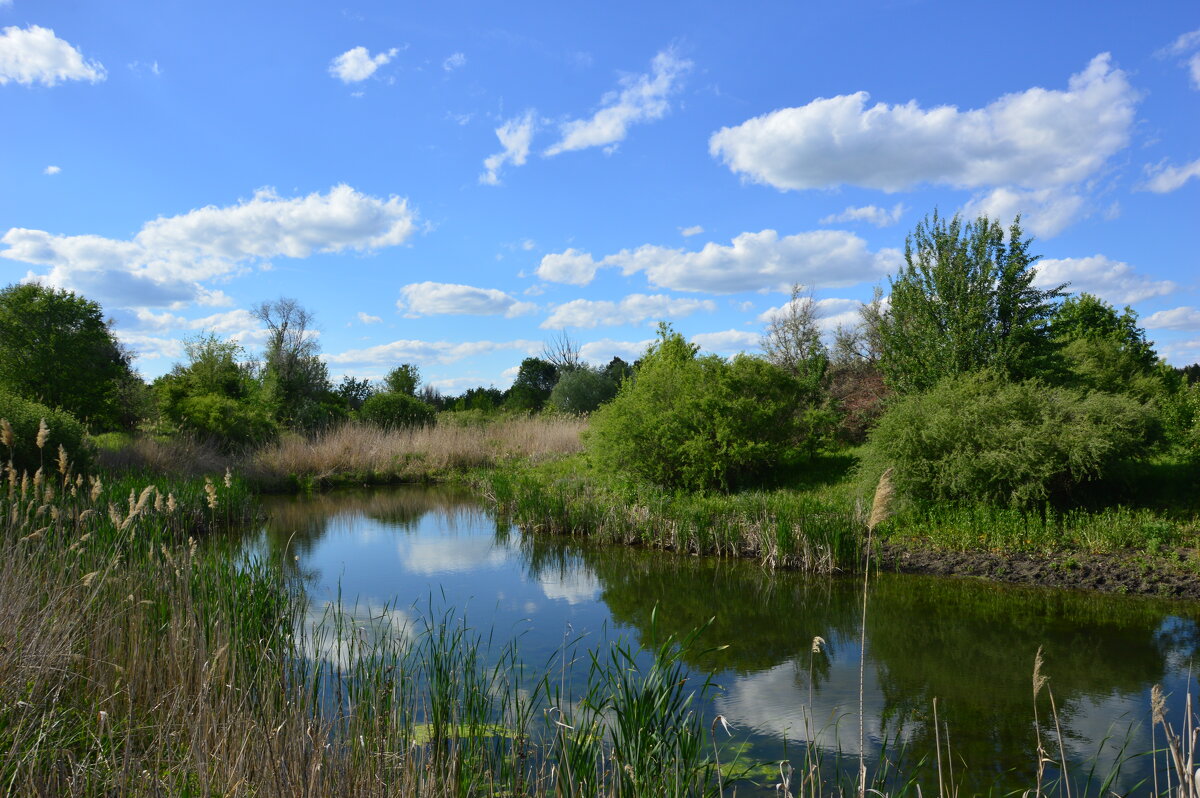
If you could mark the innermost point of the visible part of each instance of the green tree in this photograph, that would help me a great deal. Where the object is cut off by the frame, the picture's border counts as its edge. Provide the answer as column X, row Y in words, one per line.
column 56, row 348
column 353, row 391
column 700, row 422
column 965, row 300
column 404, row 379
column 215, row 396
column 295, row 379
column 1103, row 349
column 582, row 390
column 535, row 380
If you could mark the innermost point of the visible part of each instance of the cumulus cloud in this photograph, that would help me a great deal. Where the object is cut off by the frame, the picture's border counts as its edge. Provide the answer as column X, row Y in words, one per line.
column 571, row 266
column 606, row 349
column 454, row 61
column 357, row 64
column 751, row 262
column 727, row 341
column 1111, row 280
column 831, row 312
column 633, row 309
column 1163, row 178
column 515, row 136
column 1182, row 318
column 433, row 299
column 880, row 217
column 688, row 232
column 1035, row 139
column 367, row 318
column 168, row 258
column 1045, row 212
column 430, row 352
column 35, row 55
column 51, row 170
column 641, row 98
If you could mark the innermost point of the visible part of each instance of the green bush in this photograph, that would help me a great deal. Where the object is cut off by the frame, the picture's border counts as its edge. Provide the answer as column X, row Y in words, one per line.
column 25, row 417
column 697, row 423
column 224, row 420
column 396, row 410
column 582, row 390
column 979, row 438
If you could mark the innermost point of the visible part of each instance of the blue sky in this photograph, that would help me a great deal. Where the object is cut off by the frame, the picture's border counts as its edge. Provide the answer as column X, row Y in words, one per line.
column 452, row 184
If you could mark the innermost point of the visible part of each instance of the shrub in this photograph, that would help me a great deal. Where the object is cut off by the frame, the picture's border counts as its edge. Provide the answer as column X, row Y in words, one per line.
column 25, row 417
column 582, row 390
column 688, row 422
column 980, row 438
column 396, row 410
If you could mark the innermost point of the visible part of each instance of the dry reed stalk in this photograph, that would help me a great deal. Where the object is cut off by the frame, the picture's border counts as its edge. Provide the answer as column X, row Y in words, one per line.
column 880, row 511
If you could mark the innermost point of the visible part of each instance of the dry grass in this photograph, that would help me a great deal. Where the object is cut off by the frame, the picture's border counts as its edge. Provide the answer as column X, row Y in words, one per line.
column 369, row 454
column 179, row 456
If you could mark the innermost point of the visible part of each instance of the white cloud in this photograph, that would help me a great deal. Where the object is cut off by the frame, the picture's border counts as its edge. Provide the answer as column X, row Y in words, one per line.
column 35, row 55
column 430, row 352
column 432, row 299
column 1112, row 281
column 1184, row 44
column 52, row 170
column 831, row 312
column 688, row 232
column 357, row 64
column 1164, row 178
column 151, row 346
column 367, row 318
column 572, row 267
column 1045, row 212
column 727, row 341
column 633, row 309
column 1035, row 138
column 751, row 262
column 515, row 136
column 880, row 217
column 1181, row 353
column 167, row 259
column 1182, row 318
column 642, row 98
column 454, row 61
column 606, row 349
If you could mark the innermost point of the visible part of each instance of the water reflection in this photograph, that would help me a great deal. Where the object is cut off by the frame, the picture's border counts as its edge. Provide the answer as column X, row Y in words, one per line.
column 969, row 644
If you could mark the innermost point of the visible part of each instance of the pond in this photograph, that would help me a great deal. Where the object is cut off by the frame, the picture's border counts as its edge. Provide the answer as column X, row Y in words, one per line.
column 970, row 644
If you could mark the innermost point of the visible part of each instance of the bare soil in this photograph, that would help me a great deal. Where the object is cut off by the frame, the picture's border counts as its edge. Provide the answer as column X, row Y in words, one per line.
column 1173, row 573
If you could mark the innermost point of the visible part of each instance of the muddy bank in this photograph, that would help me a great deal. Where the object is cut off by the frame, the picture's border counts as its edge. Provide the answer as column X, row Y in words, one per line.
column 1174, row 574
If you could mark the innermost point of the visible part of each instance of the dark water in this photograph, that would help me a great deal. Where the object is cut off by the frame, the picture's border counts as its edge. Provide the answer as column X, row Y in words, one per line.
column 969, row 644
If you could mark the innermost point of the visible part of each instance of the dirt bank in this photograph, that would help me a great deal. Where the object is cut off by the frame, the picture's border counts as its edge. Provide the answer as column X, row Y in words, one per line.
column 1169, row 573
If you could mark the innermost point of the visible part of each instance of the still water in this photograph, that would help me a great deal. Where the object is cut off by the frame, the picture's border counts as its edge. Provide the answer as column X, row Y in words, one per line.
column 969, row 644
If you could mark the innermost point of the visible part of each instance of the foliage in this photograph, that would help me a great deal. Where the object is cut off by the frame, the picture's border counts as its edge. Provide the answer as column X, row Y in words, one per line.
column 353, row 392
column 688, row 422
column 403, row 379
column 483, row 399
column 26, row 417
column 1102, row 349
column 582, row 390
column 964, row 301
column 56, row 348
column 534, row 382
column 395, row 410
column 215, row 396
column 295, row 380
column 981, row 438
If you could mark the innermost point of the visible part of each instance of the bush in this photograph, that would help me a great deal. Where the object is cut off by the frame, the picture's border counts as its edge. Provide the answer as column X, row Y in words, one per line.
column 225, row 421
column 688, row 422
column 582, row 390
column 396, row 410
column 25, row 417
column 979, row 438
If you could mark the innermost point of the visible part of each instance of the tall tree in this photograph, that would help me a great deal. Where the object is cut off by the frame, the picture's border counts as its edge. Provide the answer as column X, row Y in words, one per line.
column 965, row 300
column 57, row 348
column 403, row 379
column 793, row 339
column 296, row 379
